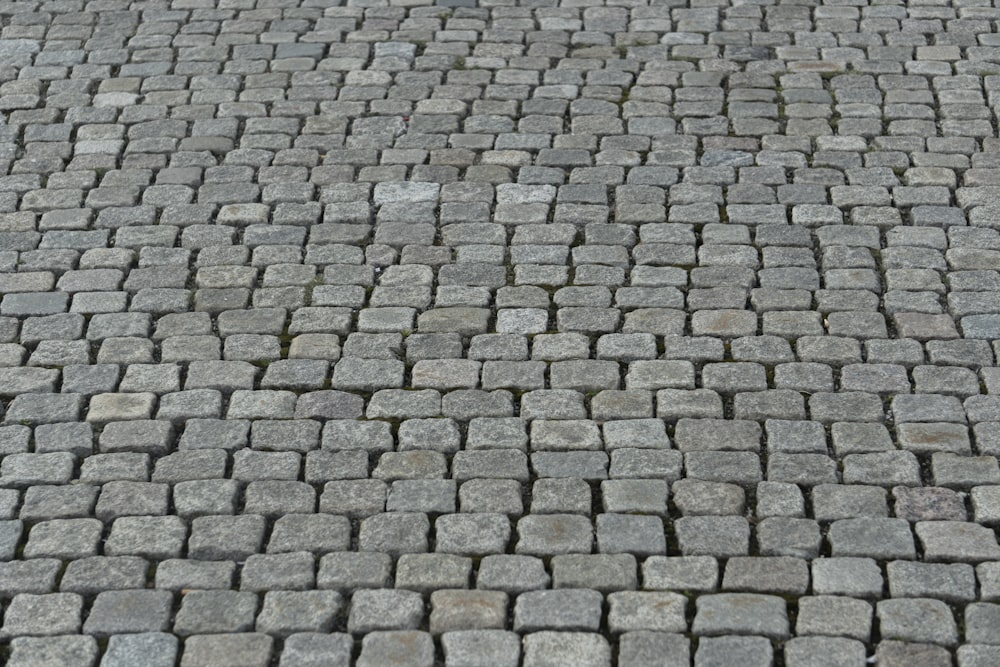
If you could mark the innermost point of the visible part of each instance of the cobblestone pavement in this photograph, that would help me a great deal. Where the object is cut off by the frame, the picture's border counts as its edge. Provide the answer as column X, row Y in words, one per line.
column 486, row 333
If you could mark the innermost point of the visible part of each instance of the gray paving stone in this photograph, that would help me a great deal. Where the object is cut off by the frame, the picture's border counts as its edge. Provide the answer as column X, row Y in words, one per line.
column 775, row 499
column 318, row 533
column 472, row 534
column 824, row 651
column 285, row 613
column 141, row 435
column 226, row 537
column 927, row 408
column 63, row 538
column 984, row 504
column 888, row 469
column 10, row 537
column 118, row 612
column 743, row 613
column 834, row 616
column 153, row 648
column 599, row 572
column 642, row 496
column 310, row 649
column 455, row 611
column 401, row 532
column 566, row 609
column 696, row 435
column 851, row 576
column 429, row 572
column 215, row 611
column 205, row 497
column 977, row 654
column 722, row 536
column 263, row 404
column 553, row 534
column 646, row 611
column 74, row 438
column 934, row 438
column 54, row 614
column 374, row 610
column 148, row 536
column 350, row 570
column 928, row 503
column 512, row 573
column 733, row 650
column 895, row 652
column 354, row 497
column 954, row 583
column 227, row 650
column 491, row 495
column 980, row 619
column 578, row 648
column 214, row 434
column 622, row 533
column 956, row 541
column 917, row 620
column 845, row 407
column 43, row 409
column 987, row 574
column 397, row 647
column 647, row 648
column 286, row 571
column 696, row 573
column 348, row 434
column 178, row 574
column 782, row 575
column 873, row 537
column 481, row 648
column 94, row 574
column 57, row 502
column 66, row 649
column 832, row 502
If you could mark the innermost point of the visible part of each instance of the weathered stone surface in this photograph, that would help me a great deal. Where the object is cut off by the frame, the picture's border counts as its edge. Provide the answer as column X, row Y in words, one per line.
column 499, row 333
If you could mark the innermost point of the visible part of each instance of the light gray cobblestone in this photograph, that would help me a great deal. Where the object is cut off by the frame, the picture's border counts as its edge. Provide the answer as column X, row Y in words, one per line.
column 335, row 333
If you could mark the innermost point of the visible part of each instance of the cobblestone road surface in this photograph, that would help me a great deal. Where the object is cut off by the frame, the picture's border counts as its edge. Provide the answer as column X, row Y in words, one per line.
column 568, row 332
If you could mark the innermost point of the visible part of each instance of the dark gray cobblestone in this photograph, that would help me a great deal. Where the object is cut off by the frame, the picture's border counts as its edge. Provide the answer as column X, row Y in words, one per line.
column 488, row 333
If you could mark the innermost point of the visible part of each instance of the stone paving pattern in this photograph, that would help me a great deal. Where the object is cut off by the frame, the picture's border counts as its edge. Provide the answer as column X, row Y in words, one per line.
column 499, row 332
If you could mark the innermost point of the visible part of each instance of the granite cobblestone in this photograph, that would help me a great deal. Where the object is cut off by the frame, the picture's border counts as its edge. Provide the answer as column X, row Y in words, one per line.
column 471, row 332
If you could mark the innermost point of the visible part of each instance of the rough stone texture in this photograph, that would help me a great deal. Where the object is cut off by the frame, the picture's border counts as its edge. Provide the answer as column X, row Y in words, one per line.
column 481, row 648
column 898, row 653
column 154, row 649
column 400, row 647
column 566, row 648
column 62, row 650
column 917, row 619
column 819, row 651
column 734, row 650
column 741, row 613
column 499, row 332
